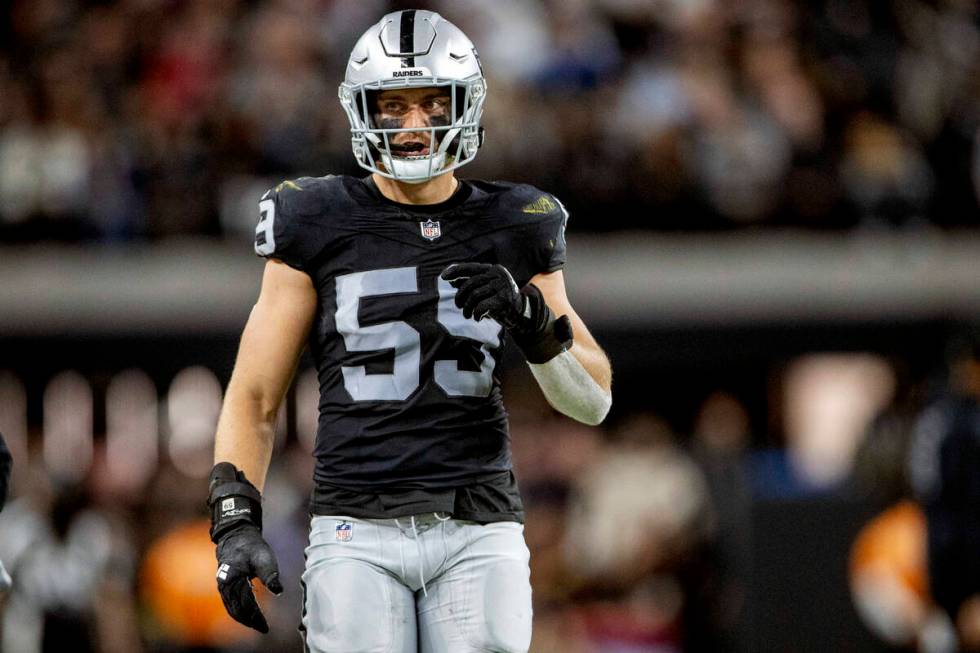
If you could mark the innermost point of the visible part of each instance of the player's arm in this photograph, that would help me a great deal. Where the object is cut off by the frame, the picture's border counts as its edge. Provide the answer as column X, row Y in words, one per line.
column 271, row 344
column 576, row 382
column 564, row 358
column 584, row 347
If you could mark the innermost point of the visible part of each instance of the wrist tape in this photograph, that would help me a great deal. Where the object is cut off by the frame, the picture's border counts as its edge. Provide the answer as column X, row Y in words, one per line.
column 541, row 337
column 233, row 501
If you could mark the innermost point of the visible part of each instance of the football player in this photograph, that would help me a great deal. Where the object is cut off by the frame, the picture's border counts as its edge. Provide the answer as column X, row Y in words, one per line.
column 403, row 283
column 6, row 463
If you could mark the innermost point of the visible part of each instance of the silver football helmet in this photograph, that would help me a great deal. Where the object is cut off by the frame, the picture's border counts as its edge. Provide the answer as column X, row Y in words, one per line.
column 411, row 49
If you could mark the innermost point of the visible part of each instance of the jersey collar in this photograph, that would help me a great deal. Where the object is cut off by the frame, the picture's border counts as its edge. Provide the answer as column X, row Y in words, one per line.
column 463, row 192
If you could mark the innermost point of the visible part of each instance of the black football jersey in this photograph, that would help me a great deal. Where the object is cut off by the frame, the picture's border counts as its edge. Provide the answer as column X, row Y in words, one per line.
column 408, row 396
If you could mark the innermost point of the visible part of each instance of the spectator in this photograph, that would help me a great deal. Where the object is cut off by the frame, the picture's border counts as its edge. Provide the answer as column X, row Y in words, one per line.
column 720, row 445
column 639, row 515
column 72, row 566
column 943, row 463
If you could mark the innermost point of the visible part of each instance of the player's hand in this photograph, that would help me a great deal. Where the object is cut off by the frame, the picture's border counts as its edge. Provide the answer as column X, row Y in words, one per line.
column 236, row 527
column 485, row 290
column 243, row 554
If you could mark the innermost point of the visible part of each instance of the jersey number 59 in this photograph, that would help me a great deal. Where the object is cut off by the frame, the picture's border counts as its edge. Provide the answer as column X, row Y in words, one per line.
column 405, row 340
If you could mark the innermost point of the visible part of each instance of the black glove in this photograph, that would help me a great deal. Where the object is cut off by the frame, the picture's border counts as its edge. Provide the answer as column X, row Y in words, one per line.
column 485, row 290
column 236, row 527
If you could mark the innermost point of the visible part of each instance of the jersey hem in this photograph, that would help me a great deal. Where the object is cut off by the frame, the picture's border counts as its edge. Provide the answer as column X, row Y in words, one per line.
column 331, row 510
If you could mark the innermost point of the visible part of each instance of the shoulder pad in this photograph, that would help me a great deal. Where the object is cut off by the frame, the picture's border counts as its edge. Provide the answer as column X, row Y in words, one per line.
column 530, row 202
column 306, row 194
column 284, row 211
column 539, row 221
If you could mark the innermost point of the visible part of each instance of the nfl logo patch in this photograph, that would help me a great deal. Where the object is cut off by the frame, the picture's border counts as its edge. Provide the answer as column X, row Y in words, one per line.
column 430, row 229
column 344, row 531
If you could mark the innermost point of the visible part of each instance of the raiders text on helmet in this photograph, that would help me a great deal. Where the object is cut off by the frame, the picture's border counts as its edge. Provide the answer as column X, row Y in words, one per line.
column 413, row 49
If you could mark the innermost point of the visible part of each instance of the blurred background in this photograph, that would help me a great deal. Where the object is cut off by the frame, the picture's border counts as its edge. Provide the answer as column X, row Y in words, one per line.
column 775, row 233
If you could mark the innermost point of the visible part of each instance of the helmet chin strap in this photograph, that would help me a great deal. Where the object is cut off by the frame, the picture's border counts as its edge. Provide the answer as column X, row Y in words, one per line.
column 415, row 170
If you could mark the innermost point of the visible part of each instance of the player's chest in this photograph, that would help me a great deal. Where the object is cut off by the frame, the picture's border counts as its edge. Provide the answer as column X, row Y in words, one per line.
column 426, row 244
column 391, row 271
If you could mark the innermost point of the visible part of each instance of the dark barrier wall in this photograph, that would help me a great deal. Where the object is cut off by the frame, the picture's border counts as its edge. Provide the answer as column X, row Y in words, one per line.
column 798, row 599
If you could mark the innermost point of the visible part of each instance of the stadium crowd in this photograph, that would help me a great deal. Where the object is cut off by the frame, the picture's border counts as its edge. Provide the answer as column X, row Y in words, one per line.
column 141, row 119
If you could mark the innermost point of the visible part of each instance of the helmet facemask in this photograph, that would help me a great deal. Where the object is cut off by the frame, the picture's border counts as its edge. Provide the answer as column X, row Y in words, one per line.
column 453, row 139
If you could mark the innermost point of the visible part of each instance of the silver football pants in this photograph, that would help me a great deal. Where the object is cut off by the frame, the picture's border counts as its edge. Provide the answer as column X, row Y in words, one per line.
column 422, row 584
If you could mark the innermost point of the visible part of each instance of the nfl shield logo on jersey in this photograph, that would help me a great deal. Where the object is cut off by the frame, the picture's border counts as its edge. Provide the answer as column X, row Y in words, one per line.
column 430, row 229
column 344, row 531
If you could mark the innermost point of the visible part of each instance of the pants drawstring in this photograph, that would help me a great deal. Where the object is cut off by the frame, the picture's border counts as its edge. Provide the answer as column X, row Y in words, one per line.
column 418, row 546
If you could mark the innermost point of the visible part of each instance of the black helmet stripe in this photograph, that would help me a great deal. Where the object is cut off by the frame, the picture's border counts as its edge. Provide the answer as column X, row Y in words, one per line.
column 408, row 38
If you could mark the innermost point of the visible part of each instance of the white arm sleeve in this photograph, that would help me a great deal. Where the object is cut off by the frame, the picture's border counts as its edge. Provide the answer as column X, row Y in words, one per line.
column 571, row 390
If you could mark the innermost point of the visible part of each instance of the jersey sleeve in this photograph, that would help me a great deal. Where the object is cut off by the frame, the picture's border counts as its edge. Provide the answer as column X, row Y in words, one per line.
column 535, row 241
column 552, row 246
column 281, row 221
column 546, row 238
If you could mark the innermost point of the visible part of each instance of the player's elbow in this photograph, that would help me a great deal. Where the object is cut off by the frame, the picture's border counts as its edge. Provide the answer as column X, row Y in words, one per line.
column 597, row 413
column 571, row 390
column 253, row 402
column 590, row 410
column 265, row 407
